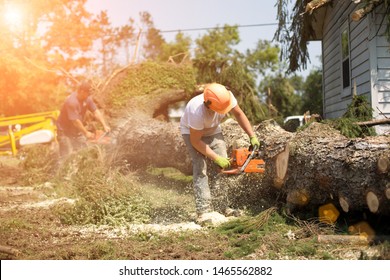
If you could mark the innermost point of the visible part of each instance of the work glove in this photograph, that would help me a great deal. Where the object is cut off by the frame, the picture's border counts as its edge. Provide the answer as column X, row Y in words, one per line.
column 254, row 141
column 89, row 135
column 222, row 162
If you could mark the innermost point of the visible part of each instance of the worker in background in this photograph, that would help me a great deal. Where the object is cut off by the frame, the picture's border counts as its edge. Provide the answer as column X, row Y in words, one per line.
column 72, row 133
column 201, row 131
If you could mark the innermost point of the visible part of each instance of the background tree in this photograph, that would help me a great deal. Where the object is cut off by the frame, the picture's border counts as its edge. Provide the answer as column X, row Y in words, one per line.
column 281, row 93
column 126, row 38
column 69, row 35
column 39, row 53
column 217, row 60
column 108, row 43
column 312, row 93
column 45, row 52
column 297, row 83
column 177, row 51
column 293, row 33
column 214, row 53
column 58, row 43
column 264, row 58
column 154, row 40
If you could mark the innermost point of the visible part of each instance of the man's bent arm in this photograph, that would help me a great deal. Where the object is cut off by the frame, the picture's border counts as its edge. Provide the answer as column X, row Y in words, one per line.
column 243, row 120
column 99, row 116
column 199, row 145
column 79, row 125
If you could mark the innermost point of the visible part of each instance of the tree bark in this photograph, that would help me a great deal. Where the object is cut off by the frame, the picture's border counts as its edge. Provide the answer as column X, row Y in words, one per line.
column 343, row 239
column 324, row 166
column 360, row 13
column 304, row 169
column 144, row 136
column 315, row 4
column 374, row 122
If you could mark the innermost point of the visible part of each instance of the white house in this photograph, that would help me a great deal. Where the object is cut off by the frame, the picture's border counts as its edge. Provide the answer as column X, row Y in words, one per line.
column 355, row 54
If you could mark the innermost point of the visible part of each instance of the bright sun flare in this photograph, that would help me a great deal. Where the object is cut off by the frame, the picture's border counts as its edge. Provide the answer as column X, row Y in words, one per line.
column 13, row 16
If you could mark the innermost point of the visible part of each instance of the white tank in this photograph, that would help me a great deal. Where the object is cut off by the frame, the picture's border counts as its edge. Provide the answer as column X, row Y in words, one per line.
column 37, row 137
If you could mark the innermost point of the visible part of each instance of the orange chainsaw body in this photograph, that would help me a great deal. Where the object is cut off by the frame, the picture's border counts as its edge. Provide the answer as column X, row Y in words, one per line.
column 247, row 161
column 100, row 138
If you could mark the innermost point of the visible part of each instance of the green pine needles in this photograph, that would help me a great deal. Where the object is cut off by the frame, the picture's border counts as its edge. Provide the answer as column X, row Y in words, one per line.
column 359, row 110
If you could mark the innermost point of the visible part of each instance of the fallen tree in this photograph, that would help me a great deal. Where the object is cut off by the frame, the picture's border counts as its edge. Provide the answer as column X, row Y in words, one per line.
column 319, row 165
column 325, row 166
column 308, row 168
column 144, row 139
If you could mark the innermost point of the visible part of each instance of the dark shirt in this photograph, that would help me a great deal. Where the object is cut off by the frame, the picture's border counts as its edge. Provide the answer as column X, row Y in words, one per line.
column 72, row 110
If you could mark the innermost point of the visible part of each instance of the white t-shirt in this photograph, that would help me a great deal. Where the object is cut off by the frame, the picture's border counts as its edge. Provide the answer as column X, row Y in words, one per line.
column 197, row 116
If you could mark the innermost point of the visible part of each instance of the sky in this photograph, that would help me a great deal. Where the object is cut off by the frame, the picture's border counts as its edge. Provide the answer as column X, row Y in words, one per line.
column 168, row 15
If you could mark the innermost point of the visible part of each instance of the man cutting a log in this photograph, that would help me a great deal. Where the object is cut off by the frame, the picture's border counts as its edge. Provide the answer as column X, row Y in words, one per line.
column 72, row 134
column 201, row 131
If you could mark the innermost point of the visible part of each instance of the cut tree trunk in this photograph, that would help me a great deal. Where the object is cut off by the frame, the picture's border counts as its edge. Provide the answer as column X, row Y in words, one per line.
column 372, row 201
column 304, row 169
column 387, row 191
column 143, row 134
column 344, row 203
column 383, row 165
column 324, row 166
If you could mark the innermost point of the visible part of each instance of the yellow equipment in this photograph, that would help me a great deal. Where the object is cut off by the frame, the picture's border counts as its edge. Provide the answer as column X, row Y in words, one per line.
column 28, row 129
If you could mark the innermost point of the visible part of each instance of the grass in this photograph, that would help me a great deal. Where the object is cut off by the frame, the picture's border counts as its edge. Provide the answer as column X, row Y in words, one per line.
column 9, row 225
column 104, row 195
column 108, row 201
column 169, row 173
column 38, row 164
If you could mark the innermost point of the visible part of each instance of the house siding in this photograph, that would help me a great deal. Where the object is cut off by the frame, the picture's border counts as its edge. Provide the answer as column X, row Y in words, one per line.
column 369, row 55
column 334, row 104
column 337, row 99
column 380, row 67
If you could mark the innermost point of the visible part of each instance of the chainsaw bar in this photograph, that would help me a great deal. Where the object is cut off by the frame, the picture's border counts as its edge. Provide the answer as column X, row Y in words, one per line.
column 245, row 161
column 242, row 169
column 100, row 138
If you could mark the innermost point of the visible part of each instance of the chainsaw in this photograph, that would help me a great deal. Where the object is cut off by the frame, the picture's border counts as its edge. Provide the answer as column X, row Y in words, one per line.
column 246, row 160
column 101, row 137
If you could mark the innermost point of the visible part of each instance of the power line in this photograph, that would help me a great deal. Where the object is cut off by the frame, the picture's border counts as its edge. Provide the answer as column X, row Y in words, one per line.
column 110, row 34
column 213, row 28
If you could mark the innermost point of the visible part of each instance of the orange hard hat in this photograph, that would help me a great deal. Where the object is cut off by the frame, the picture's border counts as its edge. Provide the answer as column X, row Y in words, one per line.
column 217, row 98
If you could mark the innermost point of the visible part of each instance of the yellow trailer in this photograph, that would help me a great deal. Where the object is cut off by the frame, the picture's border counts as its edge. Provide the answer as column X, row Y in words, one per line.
column 18, row 131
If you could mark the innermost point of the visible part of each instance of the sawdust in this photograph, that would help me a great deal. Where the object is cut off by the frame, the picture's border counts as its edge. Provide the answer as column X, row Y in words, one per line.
column 319, row 130
column 129, row 230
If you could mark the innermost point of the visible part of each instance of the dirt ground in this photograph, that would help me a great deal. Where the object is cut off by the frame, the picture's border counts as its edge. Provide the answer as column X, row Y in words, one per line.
column 30, row 229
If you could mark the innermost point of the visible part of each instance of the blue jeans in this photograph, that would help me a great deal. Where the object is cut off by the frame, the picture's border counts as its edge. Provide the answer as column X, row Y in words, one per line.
column 68, row 144
column 201, row 165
